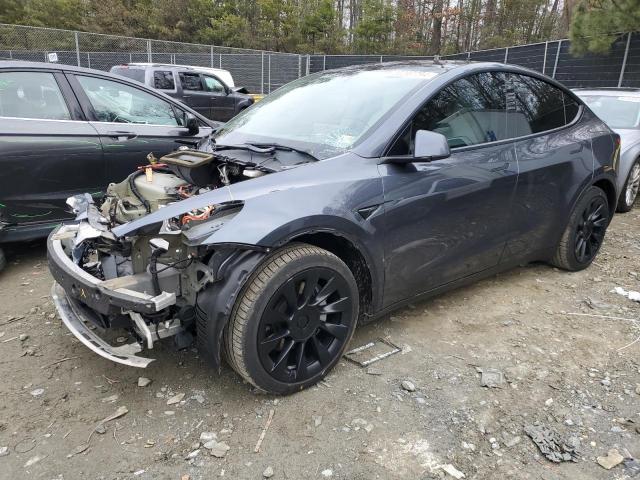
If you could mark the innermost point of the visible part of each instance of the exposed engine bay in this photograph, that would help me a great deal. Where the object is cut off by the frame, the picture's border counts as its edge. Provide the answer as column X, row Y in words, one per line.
column 174, row 177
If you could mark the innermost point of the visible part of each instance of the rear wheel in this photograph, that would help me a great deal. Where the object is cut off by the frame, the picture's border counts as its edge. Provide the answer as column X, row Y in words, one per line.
column 630, row 189
column 585, row 231
column 293, row 320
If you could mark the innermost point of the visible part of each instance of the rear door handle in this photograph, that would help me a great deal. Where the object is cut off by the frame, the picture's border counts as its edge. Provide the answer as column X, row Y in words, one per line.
column 122, row 135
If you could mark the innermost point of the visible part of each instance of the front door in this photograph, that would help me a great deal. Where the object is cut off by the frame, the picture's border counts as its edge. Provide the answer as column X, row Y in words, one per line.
column 131, row 122
column 194, row 94
column 447, row 219
column 223, row 105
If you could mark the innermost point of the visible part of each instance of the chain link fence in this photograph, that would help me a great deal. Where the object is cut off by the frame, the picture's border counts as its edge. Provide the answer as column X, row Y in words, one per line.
column 263, row 71
column 259, row 71
column 619, row 68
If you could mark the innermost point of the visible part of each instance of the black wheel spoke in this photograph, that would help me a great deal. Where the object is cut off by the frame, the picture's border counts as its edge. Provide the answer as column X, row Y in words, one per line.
column 601, row 222
column 301, row 362
column 272, row 340
column 290, row 295
column 324, row 357
column 338, row 331
column 280, row 361
column 310, row 284
column 326, row 291
column 338, row 306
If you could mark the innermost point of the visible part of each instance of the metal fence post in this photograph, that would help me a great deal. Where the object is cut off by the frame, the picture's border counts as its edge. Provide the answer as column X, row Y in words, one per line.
column 544, row 60
column 220, row 60
column 324, row 63
column 624, row 60
column 262, row 73
column 149, row 58
column 555, row 65
column 75, row 34
column 269, row 75
column 468, row 56
column 308, row 63
column 211, row 56
column 299, row 65
column 506, row 55
column 10, row 54
column 88, row 60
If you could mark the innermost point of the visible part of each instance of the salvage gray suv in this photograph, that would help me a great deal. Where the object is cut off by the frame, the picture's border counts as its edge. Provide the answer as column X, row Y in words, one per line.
column 340, row 197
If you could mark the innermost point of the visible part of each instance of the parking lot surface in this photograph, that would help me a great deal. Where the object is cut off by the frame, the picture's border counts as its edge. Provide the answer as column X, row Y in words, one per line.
column 556, row 349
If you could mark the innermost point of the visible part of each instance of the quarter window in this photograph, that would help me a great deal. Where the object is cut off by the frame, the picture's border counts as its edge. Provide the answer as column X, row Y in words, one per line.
column 163, row 80
column 31, row 95
column 117, row 102
column 191, row 81
column 467, row 112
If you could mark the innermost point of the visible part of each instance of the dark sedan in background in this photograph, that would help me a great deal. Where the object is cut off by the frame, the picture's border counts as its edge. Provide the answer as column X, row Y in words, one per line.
column 65, row 130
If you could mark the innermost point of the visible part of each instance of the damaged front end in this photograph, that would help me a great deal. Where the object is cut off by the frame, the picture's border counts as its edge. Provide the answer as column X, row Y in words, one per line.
column 144, row 282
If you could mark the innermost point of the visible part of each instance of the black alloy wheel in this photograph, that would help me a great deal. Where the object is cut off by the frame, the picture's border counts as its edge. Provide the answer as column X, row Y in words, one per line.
column 591, row 229
column 305, row 325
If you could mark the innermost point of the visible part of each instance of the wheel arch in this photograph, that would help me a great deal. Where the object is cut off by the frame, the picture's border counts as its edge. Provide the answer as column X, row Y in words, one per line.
column 606, row 185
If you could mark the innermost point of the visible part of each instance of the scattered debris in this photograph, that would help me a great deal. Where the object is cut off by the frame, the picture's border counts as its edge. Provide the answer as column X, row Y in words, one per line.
column 327, row 473
column 175, row 399
column 4, row 451
column 631, row 467
column 491, row 378
column 217, row 449
column 268, row 472
column 612, row 459
column 193, row 454
column 101, row 429
column 386, row 348
column 23, row 336
column 551, row 445
column 37, row 392
column 111, row 398
column 143, row 381
column 264, row 431
column 57, row 362
column 208, row 436
column 548, row 402
column 630, row 294
column 317, row 420
column 453, row 471
column 33, row 461
column 408, row 386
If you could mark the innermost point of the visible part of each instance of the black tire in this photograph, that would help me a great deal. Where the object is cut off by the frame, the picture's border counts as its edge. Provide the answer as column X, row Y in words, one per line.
column 585, row 231
column 293, row 319
column 630, row 190
column 3, row 260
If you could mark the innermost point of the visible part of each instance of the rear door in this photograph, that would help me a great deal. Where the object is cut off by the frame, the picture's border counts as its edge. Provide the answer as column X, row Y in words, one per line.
column 223, row 105
column 48, row 151
column 132, row 122
column 555, row 159
column 194, row 94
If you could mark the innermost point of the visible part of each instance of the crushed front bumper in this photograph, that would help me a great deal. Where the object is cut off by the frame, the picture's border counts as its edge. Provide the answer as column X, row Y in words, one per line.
column 104, row 296
column 77, row 318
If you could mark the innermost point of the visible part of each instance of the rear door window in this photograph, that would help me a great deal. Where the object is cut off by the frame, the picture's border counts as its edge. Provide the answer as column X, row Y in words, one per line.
column 32, row 95
column 191, row 81
column 534, row 106
column 136, row 74
column 469, row 111
column 163, row 80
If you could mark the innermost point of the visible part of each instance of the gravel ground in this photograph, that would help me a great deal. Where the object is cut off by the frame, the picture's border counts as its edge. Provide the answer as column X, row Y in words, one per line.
column 577, row 375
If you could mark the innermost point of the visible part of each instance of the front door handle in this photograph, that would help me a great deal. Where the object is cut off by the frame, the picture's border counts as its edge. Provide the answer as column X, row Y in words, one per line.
column 122, row 135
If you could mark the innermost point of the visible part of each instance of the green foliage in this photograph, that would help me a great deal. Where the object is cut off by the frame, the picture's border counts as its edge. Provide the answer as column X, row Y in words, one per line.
column 597, row 24
column 406, row 27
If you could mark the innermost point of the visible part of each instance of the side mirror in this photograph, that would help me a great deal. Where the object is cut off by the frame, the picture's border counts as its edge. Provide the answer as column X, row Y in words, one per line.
column 427, row 146
column 191, row 122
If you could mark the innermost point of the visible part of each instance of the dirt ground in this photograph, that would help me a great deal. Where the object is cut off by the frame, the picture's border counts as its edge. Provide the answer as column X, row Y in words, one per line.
column 578, row 375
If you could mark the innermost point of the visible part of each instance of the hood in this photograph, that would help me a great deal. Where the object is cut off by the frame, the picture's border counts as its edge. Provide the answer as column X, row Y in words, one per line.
column 628, row 137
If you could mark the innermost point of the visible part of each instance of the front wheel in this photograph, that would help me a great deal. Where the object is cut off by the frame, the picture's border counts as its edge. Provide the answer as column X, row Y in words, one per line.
column 585, row 231
column 293, row 319
column 630, row 189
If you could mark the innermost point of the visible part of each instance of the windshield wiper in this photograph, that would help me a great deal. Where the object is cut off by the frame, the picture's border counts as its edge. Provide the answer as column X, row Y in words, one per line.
column 267, row 148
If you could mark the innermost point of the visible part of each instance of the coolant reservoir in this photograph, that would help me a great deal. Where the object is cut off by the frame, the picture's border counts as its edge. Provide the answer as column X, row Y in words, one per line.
column 158, row 187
